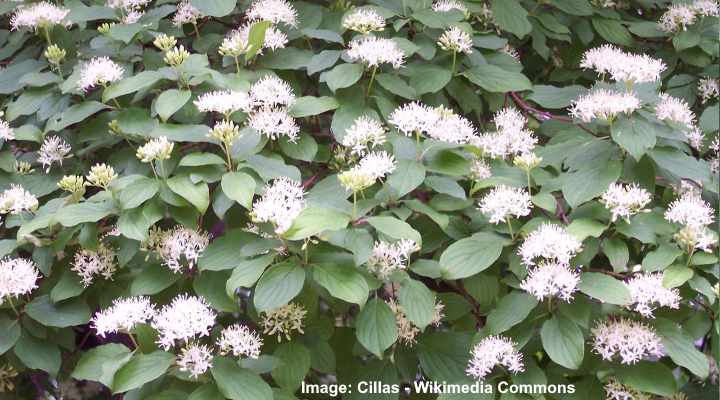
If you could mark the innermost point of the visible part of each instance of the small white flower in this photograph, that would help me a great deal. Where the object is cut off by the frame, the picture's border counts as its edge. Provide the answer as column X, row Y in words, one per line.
column 123, row 315
column 186, row 13
column 275, row 11
column 53, row 150
column 675, row 110
column 91, row 263
column 624, row 201
column 274, row 123
column 505, row 201
column 281, row 203
column 603, row 104
column 271, row 91
column 447, row 126
column 550, row 242
column 647, row 292
column 18, row 276
column 456, row 40
column 364, row 134
column 16, row 200
column 412, row 118
column 388, row 257
column 551, row 280
column 449, row 5
column 239, row 341
column 178, row 245
column 364, row 20
column 224, row 102
column 706, row 8
column 284, row 321
column 39, row 15
column 374, row 51
column 480, row 169
column 491, row 352
column 511, row 51
column 511, row 138
column 691, row 210
column 186, row 318
column 694, row 137
column 693, row 238
column 132, row 17
column 194, row 359
column 628, row 340
column 622, row 66
column 378, row 164
column 101, row 175
column 708, row 89
column 99, row 71
column 677, row 18
column 6, row 131
column 615, row 390
column 128, row 4
column 527, row 161
column 237, row 42
column 156, row 149
column 407, row 331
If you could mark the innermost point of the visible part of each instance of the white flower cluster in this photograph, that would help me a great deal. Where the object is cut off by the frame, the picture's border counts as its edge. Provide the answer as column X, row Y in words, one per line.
column 364, row 134
column 194, row 359
column 364, row 20
column 629, row 340
column 624, row 201
column 90, row 263
column 156, row 149
column 604, row 104
column 647, row 289
column 99, row 71
column 551, row 279
column 696, row 215
column 407, row 331
column 679, row 16
column 6, row 131
column 621, row 66
column 271, row 91
column 16, row 200
column 18, row 276
column 374, row 51
column 186, row 13
column 178, row 244
column 456, row 40
column 439, row 123
column 550, row 242
column 53, row 150
column 388, row 257
column 511, row 138
column 185, row 318
column 491, row 352
column 677, row 111
column 281, row 203
column 480, row 169
column 708, row 89
column 237, row 42
column 239, row 341
column 275, row 11
column 271, row 98
column 449, row 5
column 40, row 15
column 714, row 148
column 504, row 202
column 615, row 390
column 124, row 315
column 224, row 102
column 131, row 10
column 284, row 321
column 375, row 165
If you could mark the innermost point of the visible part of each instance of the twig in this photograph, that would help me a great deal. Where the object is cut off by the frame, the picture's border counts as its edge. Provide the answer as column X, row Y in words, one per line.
column 544, row 115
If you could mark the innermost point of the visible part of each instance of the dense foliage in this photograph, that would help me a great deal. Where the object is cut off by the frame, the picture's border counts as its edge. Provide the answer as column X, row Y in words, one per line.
column 219, row 199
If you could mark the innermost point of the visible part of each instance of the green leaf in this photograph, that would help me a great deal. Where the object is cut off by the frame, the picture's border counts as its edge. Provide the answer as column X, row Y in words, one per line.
column 322, row 61
column 256, row 38
column 375, row 327
column 555, row 97
column 206, row 285
column 408, row 175
column 240, row 187
column 395, row 228
column 295, row 365
column 710, row 119
column 677, row 165
column 141, row 369
column 303, row 148
column 153, row 279
column 661, row 257
column 315, row 220
column 396, row 85
column 469, row 256
column 132, row 84
column 649, row 377
column 589, row 183
column 563, row 341
column 582, row 228
column 38, row 354
column 604, row 288
column 62, row 315
column 634, row 135
column 214, row 8
column 75, row 214
column 429, row 78
column 573, row 7
column 100, row 363
column 512, row 309
column 73, row 115
column 170, row 101
column 342, row 281
column 278, row 285
column 511, row 16
column 247, row 273
column 238, row 383
column 307, row 106
column 137, row 192
column 69, row 286
column 418, row 302
column 444, row 356
column 495, row 79
column 196, row 193
column 342, row 76
column 613, row 31
column 617, row 252
column 9, row 333
column 135, row 223
column 680, row 346
column 676, row 275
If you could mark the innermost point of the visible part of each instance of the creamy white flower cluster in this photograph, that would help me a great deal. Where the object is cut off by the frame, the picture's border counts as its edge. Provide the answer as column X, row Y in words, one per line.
column 194, row 359
column 550, row 279
column 374, row 51
column 511, row 139
column 608, row 60
column 18, row 276
column 364, row 20
column 282, row 201
column 456, row 40
column 275, row 11
column 271, row 98
column 491, row 352
column 681, row 15
column 91, row 263
column 708, row 89
column 131, row 10
column 184, row 319
column 99, row 71
column 504, row 202
column 364, row 134
column 177, row 247
column 615, row 390
column 239, row 341
column 624, row 201
column 283, row 321
column 186, row 13
column 237, row 41
column 157, row 149
column 628, row 340
column 675, row 110
column 388, row 257
column 375, row 165
column 647, row 290
column 695, row 214
column 42, row 15
column 124, row 315
column 439, row 123
column 449, row 5
column 15, row 200
column 603, row 104
column 52, row 150
column 407, row 331
column 6, row 131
